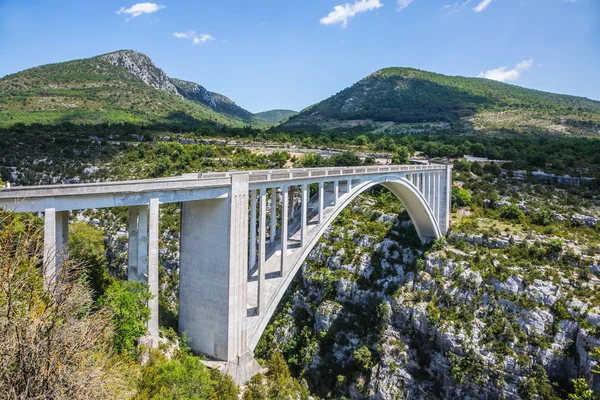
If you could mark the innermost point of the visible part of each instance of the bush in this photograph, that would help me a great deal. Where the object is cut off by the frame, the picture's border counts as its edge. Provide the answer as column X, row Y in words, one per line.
column 51, row 346
column 129, row 302
column 542, row 217
column 364, row 359
column 183, row 377
column 461, row 197
column 86, row 245
column 511, row 212
column 402, row 155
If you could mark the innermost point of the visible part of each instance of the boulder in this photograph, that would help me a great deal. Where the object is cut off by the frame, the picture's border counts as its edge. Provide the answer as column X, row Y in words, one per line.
column 543, row 293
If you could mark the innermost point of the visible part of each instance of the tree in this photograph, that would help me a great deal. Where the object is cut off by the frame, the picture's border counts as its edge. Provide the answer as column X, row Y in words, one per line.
column 361, row 140
column 542, row 217
column 492, row 168
column 364, row 358
column 279, row 158
column 86, row 245
column 311, row 160
column 582, row 391
column 183, row 377
column 402, row 155
column 129, row 302
column 511, row 211
column 346, row 159
column 460, row 197
column 53, row 343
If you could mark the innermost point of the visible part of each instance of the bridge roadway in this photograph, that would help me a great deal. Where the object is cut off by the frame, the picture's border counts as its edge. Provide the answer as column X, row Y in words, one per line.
column 230, row 286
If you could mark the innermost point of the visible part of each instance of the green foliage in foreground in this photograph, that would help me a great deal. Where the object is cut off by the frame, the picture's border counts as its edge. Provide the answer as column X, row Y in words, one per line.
column 279, row 384
column 86, row 244
column 129, row 302
column 183, row 377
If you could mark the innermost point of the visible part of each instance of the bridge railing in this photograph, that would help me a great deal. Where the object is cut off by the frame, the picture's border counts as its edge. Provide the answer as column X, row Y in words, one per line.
column 300, row 173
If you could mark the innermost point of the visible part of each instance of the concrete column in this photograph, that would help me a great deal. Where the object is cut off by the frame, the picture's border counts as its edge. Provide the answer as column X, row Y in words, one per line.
column 62, row 240
column 439, row 198
column 426, row 189
column 132, row 246
column 273, row 228
column 284, row 227
column 448, row 194
column 56, row 242
column 304, row 213
column 336, row 192
column 214, row 273
column 262, row 237
column 153, row 270
column 349, row 185
column 142, row 265
column 252, row 244
column 434, row 193
column 50, row 245
column 321, row 200
column 291, row 200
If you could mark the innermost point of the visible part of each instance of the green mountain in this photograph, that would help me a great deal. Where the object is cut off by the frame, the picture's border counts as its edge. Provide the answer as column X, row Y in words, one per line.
column 397, row 99
column 120, row 87
column 276, row 116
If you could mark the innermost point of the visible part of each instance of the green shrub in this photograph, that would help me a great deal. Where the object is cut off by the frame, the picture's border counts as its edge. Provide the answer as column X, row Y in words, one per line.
column 460, row 197
column 511, row 212
column 128, row 301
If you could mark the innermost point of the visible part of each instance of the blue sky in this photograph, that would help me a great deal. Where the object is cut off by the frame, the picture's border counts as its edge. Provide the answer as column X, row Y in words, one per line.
column 267, row 54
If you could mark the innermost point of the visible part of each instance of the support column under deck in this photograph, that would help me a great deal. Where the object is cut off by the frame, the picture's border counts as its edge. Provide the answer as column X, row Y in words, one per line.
column 284, row 227
column 56, row 242
column 142, row 264
column 336, row 192
column 214, row 275
column 321, row 200
column 273, row 227
column 291, row 203
column 304, row 213
column 252, row 229
column 132, row 245
column 153, row 270
column 262, row 237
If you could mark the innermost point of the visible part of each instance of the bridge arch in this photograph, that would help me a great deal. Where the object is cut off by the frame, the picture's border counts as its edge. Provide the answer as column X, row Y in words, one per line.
column 418, row 209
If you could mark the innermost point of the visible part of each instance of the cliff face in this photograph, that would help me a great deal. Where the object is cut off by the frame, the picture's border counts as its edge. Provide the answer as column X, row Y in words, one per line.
column 375, row 315
column 142, row 67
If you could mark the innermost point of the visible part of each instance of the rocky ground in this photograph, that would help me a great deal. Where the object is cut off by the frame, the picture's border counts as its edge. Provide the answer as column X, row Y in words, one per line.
column 377, row 315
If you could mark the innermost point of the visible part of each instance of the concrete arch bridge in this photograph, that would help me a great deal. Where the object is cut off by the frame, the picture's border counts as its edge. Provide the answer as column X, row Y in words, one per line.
column 229, row 285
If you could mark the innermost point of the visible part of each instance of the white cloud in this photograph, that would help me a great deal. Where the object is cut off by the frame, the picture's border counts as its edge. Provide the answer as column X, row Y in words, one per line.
column 402, row 4
column 196, row 39
column 140, row 8
column 502, row 74
column 453, row 8
column 482, row 5
column 341, row 14
column 185, row 35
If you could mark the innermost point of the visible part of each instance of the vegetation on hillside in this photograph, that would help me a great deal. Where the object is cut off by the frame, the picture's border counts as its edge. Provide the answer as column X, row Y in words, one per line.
column 93, row 91
column 276, row 116
column 406, row 95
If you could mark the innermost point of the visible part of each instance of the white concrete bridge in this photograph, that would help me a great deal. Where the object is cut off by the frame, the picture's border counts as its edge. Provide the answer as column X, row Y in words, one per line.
column 229, row 285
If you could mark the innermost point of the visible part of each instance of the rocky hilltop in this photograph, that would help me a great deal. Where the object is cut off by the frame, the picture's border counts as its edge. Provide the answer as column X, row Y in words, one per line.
column 115, row 88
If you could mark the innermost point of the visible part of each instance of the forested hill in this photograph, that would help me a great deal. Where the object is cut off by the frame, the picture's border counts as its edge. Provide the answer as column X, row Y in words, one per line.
column 407, row 96
column 120, row 87
column 276, row 116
